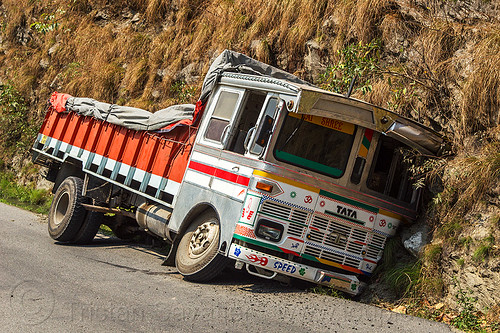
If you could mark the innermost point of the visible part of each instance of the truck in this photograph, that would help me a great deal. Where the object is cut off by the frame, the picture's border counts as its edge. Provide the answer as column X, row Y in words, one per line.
column 266, row 172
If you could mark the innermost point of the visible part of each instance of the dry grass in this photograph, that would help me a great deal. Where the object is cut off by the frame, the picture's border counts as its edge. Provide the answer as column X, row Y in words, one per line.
column 480, row 107
column 121, row 61
column 468, row 179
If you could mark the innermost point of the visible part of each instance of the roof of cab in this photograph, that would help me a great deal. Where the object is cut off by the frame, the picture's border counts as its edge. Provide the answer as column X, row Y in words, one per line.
column 319, row 102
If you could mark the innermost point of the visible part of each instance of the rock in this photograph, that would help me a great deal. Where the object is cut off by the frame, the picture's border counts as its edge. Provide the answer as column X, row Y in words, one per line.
column 283, row 60
column 400, row 309
column 136, row 18
column 415, row 238
column 439, row 306
column 414, row 244
column 329, row 25
column 161, row 72
column 44, row 184
column 101, row 17
column 44, row 63
column 23, row 35
column 54, row 48
column 189, row 74
column 312, row 61
column 254, row 45
column 127, row 13
column 56, row 82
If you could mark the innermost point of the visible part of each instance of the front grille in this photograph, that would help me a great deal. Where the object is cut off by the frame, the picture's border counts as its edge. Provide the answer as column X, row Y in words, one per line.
column 295, row 229
column 373, row 253
column 299, row 216
column 336, row 241
column 329, row 238
column 276, row 209
column 378, row 240
column 352, row 262
column 359, row 235
column 355, row 248
column 332, row 256
column 320, row 222
column 313, row 251
column 296, row 218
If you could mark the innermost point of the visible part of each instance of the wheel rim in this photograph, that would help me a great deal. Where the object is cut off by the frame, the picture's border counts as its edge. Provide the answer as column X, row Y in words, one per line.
column 202, row 238
column 61, row 208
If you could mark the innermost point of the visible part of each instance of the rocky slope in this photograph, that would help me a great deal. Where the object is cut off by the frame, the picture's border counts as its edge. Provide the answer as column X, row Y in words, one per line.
column 435, row 61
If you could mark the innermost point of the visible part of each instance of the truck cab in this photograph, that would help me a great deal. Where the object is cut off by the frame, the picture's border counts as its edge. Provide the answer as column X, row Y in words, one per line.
column 316, row 181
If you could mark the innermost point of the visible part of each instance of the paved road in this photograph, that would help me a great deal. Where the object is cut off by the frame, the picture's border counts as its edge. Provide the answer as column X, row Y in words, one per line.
column 116, row 286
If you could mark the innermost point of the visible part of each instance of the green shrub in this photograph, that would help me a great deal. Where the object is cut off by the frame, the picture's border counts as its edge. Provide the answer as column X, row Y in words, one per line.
column 484, row 249
column 27, row 197
column 15, row 127
column 358, row 60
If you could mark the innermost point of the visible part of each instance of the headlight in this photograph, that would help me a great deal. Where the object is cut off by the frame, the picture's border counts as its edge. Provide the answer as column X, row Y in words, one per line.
column 269, row 230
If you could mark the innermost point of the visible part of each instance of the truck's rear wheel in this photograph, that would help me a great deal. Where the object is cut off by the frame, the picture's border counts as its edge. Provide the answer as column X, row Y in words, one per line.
column 66, row 214
column 196, row 257
column 90, row 226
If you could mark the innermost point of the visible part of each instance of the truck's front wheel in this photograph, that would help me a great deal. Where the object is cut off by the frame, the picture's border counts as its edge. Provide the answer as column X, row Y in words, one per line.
column 66, row 214
column 196, row 257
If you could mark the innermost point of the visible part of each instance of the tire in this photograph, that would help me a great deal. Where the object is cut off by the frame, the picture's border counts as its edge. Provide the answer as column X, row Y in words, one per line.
column 89, row 228
column 197, row 257
column 66, row 214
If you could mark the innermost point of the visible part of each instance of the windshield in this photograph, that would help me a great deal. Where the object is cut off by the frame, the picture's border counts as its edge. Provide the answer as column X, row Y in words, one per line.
column 316, row 143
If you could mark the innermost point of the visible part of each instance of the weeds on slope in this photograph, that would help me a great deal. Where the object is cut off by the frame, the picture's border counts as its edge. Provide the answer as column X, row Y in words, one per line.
column 26, row 197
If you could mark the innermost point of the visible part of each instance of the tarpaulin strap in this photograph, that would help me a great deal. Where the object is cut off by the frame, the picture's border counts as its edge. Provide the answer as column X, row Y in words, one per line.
column 58, row 101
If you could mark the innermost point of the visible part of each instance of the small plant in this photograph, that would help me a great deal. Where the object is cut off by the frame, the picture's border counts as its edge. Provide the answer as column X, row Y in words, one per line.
column 468, row 318
column 484, row 249
column 73, row 69
column 15, row 127
column 452, row 228
column 26, row 197
column 403, row 94
column 183, row 92
column 358, row 60
column 329, row 291
column 461, row 262
column 48, row 22
column 433, row 254
column 404, row 277
column 465, row 242
column 422, row 168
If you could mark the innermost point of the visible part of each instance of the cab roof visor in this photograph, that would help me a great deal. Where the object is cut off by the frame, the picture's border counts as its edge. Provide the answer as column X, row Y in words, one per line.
column 418, row 138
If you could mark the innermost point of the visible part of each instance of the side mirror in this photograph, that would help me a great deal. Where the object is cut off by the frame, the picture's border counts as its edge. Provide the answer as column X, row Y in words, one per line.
column 265, row 131
column 357, row 171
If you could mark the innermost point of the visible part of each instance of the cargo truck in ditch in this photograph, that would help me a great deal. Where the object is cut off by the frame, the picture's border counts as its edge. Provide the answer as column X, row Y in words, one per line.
column 266, row 172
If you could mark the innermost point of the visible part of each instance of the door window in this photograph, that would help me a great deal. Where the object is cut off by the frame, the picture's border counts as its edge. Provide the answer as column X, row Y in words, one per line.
column 389, row 174
column 221, row 117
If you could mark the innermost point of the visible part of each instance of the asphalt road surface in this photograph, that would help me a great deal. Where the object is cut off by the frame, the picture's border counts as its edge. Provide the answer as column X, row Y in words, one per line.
column 116, row 286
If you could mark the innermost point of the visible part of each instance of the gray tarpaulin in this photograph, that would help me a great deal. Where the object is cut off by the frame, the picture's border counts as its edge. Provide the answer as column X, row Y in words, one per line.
column 230, row 61
column 133, row 118
column 142, row 120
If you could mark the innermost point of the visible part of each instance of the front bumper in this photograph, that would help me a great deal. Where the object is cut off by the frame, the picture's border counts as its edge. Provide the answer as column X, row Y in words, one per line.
column 346, row 283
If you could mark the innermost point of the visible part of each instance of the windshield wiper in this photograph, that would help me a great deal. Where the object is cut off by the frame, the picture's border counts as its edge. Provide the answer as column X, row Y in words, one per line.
column 292, row 134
